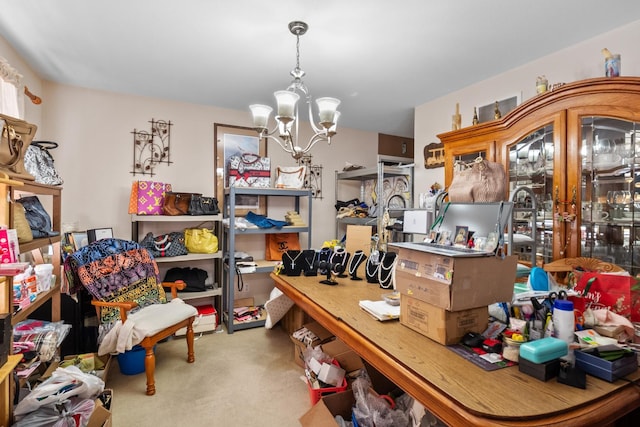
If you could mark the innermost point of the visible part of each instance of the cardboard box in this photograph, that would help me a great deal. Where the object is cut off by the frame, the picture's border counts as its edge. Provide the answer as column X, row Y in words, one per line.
column 100, row 417
column 207, row 320
column 455, row 283
column 346, row 357
column 106, row 361
column 319, row 331
column 443, row 326
column 323, row 413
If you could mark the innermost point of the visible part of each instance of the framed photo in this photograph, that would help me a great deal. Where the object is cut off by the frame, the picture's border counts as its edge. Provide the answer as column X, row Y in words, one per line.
column 492, row 242
column 80, row 239
column 444, row 237
column 229, row 141
column 99, row 234
column 460, row 237
column 480, row 243
column 432, row 237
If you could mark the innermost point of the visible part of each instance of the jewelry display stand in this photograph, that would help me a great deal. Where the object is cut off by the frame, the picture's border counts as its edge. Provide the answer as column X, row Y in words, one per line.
column 332, row 270
column 340, row 256
column 358, row 258
column 292, row 263
column 386, row 270
column 310, row 268
column 372, row 267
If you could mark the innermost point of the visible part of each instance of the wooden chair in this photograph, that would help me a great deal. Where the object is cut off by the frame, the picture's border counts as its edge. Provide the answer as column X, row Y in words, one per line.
column 561, row 268
column 120, row 280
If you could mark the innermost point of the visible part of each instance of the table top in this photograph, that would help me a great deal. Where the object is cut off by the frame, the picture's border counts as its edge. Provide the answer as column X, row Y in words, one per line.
column 454, row 389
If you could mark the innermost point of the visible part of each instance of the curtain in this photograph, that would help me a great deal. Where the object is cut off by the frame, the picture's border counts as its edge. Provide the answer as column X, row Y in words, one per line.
column 11, row 97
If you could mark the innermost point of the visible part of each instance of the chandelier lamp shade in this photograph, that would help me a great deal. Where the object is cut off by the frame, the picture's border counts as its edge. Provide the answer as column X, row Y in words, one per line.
column 286, row 131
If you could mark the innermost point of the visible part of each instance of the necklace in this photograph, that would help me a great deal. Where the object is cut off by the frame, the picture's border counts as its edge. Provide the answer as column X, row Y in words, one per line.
column 386, row 273
column 372, row 276
column 293, row 260
column 357, row 259
column 313, row 258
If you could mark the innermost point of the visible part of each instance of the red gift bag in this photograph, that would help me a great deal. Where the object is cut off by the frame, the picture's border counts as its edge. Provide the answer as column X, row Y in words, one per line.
column 608, row 290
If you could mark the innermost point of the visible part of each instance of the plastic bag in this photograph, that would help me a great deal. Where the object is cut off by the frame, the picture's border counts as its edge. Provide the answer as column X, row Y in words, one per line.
column 72, row 413
column 63, row 384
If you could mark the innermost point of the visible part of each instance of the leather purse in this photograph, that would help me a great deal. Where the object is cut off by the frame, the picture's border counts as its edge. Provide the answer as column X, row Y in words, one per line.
column 200, row 241
column 202, row 205
column 481, row 181
column 38, row 218
column 38, row 161
column 21, row 224
column 15, row 137
column 176, row 203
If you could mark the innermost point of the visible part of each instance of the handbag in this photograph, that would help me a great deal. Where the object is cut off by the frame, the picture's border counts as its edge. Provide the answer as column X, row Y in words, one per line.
column 290, row 176
column 165, row 245
column 20, row 223
column 147, row 197
column 480, row 181
column 200, row 241
column 202, row 205
column 279, row 243
column 249, row 170
column 15, row 136
column 194, row 278
column 37, row 217
column 176, row 203
column 38, row 161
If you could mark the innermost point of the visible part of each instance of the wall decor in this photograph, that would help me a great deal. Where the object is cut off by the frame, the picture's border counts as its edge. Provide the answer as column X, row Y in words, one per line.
column 313, row 178
column 434, row 155
column 151, row 148
column 230, row 143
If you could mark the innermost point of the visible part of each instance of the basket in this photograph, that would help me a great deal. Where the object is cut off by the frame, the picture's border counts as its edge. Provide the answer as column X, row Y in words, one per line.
column 131, row 362
column 315, row 394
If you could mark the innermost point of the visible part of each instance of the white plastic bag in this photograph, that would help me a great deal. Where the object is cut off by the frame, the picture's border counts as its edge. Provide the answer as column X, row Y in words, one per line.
column 64, row 415
column 63, row 384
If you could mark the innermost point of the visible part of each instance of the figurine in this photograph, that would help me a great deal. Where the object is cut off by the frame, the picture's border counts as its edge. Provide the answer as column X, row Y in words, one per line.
column 496, row 111
column 456, row 119
column 475, row 116
column 541, row 84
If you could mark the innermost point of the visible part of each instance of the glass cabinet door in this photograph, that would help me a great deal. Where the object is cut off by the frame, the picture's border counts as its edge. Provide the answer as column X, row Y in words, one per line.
column 531, row 190
column 610, row 191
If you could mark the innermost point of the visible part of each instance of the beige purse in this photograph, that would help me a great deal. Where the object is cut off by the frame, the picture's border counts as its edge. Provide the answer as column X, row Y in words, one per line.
column 481, row 181
column 16, row 136
column 20, row 224
column 290, row 176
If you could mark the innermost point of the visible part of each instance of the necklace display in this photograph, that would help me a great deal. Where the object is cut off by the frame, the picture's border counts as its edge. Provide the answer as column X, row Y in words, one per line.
column 356, row 260
column 386, row 270
column 310, row 267
column 324, row 255
column 372, row 267
column 290, row 265
column 340, row 256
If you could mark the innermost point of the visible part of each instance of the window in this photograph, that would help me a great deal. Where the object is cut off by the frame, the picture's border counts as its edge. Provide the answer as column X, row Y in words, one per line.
column 11, row 99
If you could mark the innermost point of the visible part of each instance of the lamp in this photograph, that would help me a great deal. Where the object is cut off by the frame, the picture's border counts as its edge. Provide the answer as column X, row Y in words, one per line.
column 287, row 110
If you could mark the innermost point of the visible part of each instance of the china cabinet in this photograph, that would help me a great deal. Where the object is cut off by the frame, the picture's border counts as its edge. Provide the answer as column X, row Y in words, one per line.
column 576, row 149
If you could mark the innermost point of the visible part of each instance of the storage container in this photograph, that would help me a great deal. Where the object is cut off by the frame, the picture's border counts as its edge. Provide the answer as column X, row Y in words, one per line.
column 590, row 361
column 315, row 394
column 544, row 350
column 542, row 371
column 131, row 362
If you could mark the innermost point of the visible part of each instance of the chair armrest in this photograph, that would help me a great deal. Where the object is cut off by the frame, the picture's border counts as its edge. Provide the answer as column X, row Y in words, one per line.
column 176, row 286
column 123, row 306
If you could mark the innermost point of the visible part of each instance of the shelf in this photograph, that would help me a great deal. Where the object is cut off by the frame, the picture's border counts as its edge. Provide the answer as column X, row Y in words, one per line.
column 372, row 173
column 186, row 296
column 40, row 300
column 38, row 243
column 358, row 221
column 188, row 257
column 7, row 369
column 274, row 230
column 266, row 191
column 176, row 218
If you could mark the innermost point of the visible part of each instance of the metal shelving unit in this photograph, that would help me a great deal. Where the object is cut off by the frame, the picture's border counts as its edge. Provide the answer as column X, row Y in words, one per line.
column 230, row 233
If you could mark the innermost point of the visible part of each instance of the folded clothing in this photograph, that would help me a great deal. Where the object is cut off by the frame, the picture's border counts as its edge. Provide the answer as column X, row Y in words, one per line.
column 264, row 222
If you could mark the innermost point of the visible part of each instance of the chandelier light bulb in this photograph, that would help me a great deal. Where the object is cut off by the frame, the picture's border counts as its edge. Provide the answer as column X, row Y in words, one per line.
column 287, row 101
column 260, row 115
column 327, row 110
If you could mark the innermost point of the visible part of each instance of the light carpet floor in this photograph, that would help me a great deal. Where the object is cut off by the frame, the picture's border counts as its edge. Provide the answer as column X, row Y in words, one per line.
column 247, row 378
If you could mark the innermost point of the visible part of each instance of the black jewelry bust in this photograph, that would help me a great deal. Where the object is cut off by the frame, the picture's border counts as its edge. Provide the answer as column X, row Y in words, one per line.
column 372, row 267
column 385, row 274
column 340, row 256
column 310, row 267
column 357, row 259
column 292, row 263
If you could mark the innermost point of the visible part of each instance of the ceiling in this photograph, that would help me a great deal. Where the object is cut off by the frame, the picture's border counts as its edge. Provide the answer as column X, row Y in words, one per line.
column 381, row 58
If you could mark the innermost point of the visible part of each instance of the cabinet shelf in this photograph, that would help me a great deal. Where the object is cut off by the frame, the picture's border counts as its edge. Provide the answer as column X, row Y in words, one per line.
column 38, row 243
column 42, row 298
column 188, row 257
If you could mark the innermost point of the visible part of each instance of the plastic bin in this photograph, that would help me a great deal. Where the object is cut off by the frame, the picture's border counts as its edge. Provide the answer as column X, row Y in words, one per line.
column 131, row 362
column 315, row 394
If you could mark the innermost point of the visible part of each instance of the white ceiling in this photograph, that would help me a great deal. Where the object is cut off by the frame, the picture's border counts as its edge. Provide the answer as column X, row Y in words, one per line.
column 380, row 57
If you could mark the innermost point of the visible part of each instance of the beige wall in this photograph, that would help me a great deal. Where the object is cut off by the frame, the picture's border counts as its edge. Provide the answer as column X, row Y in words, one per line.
column 581, row 61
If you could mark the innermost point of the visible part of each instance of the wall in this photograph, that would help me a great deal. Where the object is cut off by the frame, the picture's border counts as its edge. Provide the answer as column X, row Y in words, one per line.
column 581, row 61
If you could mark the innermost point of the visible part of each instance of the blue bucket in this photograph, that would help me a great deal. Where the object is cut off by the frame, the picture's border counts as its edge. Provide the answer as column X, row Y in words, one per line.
column 131, row 362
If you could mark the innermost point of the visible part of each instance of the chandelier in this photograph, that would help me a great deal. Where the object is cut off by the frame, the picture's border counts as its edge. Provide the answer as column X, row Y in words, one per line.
column 284, row 133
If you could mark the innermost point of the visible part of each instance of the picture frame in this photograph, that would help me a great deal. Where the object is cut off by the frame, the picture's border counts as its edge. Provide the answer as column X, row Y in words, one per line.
column 486, row 113
column 229, row 140
column 80, row 239
column 99, row 234
column 433, row 155
column 443, row 239
column 460, row 236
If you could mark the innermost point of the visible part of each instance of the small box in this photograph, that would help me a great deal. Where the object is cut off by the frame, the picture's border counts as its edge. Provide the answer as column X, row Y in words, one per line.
column 542, row 371
column 207, row 320
column 455, row 283
column 321, row 336
column 348, row 359
column 544, row 350
column 443, row 326
column 590, row 362
column 331, row 374
column 315, row 394
column 9, row 246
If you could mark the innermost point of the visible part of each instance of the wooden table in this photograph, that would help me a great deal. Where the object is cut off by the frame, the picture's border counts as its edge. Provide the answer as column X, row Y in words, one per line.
column 454, row 389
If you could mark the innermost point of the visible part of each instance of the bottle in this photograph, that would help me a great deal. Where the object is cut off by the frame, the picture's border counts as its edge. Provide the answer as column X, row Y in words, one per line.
column 564, row 320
